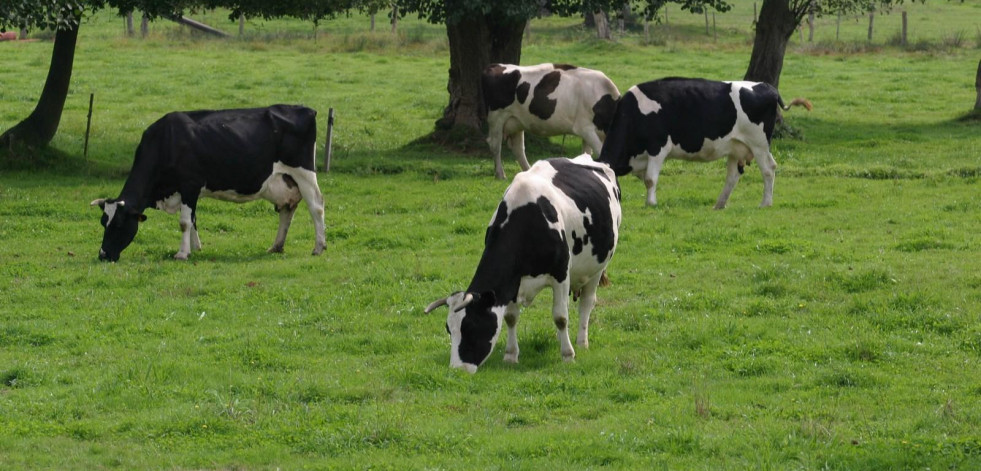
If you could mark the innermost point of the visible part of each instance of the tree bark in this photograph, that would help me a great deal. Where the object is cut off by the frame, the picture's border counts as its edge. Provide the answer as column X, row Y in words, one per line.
column 39, row 128
column 776, row 25
column 474, row 44
column 977, row 86
column 602, row 25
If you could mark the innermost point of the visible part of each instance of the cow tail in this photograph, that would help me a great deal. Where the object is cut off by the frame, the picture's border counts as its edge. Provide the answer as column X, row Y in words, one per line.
column 795, row 102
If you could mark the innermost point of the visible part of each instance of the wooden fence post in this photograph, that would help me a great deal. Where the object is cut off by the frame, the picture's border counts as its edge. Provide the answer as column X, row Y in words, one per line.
column 88, row 127
column 395, row 18
column 241, row 25
column 144, row 26
column 838, row 27
column 329, row 145
column 707, row 22
column 904, row 38
column 754, row 13
column 871, row 21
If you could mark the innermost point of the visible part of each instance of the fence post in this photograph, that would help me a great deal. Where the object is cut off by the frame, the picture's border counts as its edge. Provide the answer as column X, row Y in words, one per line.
column 144, row 26
column 241, row 25
column 904, row 29
column 707, row 22
column 871, row 21
column 88, row 126
column 329, row 145
column 754, row 13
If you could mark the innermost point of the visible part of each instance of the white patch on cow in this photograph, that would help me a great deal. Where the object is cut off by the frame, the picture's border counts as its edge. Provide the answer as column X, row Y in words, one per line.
column 170, row 204
column 644, row 104
column 110, row 210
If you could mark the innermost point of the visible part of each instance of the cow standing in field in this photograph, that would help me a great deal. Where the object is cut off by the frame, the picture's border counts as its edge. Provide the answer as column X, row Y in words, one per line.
column 698, row 120
column 548, row 100
column 557, row 226
column 234, row 155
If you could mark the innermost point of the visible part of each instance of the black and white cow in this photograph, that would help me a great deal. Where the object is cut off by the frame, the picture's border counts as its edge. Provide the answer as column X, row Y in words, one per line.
column 548, row 100
column 698, row 120
column 234, row 155
column 557, row 227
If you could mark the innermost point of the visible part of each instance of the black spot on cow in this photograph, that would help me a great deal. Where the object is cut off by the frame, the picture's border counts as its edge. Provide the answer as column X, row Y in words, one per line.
column 583, row 184
column 541, row 105
column 561, row 323
column 549, row 211
column 522, row 92
column 603, row 112
column 564, row 66
column 758, row 103
column 498, row 87
column 692, row 110
column 525, row 246
column 576, row 244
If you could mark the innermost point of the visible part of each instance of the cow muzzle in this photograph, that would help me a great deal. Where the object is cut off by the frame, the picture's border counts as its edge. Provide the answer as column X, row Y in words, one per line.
column 103, row 256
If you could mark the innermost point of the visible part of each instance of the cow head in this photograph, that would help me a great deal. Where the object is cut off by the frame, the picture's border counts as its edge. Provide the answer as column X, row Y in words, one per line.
column 121, row 224
column 473, row 324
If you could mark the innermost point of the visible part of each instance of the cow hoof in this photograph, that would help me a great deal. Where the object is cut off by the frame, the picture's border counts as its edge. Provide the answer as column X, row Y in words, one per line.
column 275, row 249
column 719, row 206
column 318, row 250
column 510, row 358
column 180, row 256
column 569, row 357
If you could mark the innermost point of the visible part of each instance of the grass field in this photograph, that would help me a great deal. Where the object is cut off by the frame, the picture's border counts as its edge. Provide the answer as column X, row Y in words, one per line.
column 838, row 329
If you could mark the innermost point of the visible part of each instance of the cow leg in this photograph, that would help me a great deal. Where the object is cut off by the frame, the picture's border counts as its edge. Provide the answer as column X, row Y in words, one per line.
column 511, row 318
column 768, row 167
column 732, row 177
column 654, row 164
column 495, row 137
column 310, row 191
column 516, row 142
column 560, row 315
column 592, row 143
column 586, row 303
column 285, row 218
column 187, row 223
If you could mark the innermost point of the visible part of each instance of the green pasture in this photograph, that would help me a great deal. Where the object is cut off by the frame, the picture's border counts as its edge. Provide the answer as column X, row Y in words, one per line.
column 839, row 329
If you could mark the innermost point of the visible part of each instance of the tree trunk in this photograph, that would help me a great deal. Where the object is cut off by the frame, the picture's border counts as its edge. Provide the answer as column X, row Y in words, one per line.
column 773, row 30
column 39, row 128
column 602, row 25
column 474, row 44
column 977, row 86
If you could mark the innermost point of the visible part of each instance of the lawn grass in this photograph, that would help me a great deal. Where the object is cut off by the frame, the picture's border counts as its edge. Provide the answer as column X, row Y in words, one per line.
column 838, row 329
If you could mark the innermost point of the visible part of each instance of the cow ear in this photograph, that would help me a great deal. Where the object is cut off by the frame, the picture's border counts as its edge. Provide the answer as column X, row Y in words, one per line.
column 101, row 203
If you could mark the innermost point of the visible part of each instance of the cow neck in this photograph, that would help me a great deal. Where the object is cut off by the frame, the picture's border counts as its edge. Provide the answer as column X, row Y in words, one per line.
column 140, row 186
column 497, row 272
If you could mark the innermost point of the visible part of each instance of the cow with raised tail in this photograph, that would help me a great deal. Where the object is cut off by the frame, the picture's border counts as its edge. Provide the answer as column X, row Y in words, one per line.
column 548, row 100
column 233, row 155
column 698, row 120
column 557, row 227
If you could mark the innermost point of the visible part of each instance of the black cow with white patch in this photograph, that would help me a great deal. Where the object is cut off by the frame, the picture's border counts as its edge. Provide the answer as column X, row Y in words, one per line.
column 698, row 120
column 234, row 155
column 557, row 227
column 548, row 100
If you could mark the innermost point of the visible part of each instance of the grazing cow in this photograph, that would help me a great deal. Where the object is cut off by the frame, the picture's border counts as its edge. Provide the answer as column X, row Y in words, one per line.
column 548, row 100
column 233, row 155
column 557, row 226
column 699, row 120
